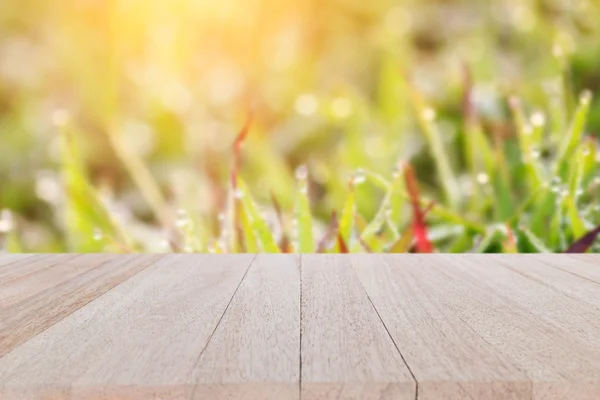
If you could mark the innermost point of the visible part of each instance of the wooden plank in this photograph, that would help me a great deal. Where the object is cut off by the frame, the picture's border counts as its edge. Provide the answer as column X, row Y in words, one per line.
column 35, row 314
column 6, row 258
column 588, row 257
column 574, row 318
column 29, row 284
column 586, row 268
column 31, row 265
column 140, row 340
column 560, row 366
column 448, row 359
column 346, row 351
column 255, row 351
column 571, row 285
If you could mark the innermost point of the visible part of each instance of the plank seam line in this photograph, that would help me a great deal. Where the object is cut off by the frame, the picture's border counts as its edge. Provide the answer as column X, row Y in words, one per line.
column 300, row 262
column 387, row 330
column 79, row 308
column 193, row 394
column 570, row 272
column 447, row 310
column 511, row 268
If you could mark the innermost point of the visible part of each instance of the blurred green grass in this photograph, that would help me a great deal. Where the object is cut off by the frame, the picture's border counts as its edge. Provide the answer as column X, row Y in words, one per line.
column 118, row 119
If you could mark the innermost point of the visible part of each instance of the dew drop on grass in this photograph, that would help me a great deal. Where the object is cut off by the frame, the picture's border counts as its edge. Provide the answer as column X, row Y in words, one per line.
column 6, row 221
column 98, row 235
column 47, row 187
column 585, row 98
column 483, row 178
column 341, row 107
column 238, row 193
column 359, row 177
column 60, row 117
column 535, row 153
column 527, row 130
column 585, row 152
column 556, row 180
column 182, row 222
column 557, row 50
column 302, row 172
column 306, row 104
column 429, row 114
column 538, row 119
column 183, row 219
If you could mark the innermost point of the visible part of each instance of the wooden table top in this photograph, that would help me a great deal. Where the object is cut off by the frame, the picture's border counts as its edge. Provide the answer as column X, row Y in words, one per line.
column 315, row 327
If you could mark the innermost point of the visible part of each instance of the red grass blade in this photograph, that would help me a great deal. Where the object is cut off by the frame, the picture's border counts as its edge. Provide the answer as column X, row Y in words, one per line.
column 510, row 244
column 331, row 229
column 583, row 244
column 342, row 244
column 233, row 206
column 237, row 147
column 423, row 244
column 285, row 245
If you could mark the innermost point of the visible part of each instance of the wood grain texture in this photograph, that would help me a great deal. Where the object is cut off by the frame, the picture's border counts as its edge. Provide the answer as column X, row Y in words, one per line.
column 28, row 284
column 346, row 351
column 583, row 265
column 30, row 265
column 448, row 359
column 586, row 292
column 560, row 366
column 315, row 327
column 33, row 314
column 6, row 259
column 255, row 351
column 138, row 341
column 574, row 319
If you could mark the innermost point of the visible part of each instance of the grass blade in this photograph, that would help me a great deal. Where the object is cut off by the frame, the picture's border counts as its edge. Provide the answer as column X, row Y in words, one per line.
column 261, row 229
column 305, row 241
column 284, row 244
column 347, row 217
column 446, row 177
column 404, row 242
column 332, row 228
column 90, row 225
column 574, row 135
column 583, row 244
column 538, row 245
column 423, row 244
column 530, row 145
column 141, row 176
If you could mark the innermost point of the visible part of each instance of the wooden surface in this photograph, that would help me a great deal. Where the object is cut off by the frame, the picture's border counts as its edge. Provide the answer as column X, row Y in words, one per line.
column 316, row 327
